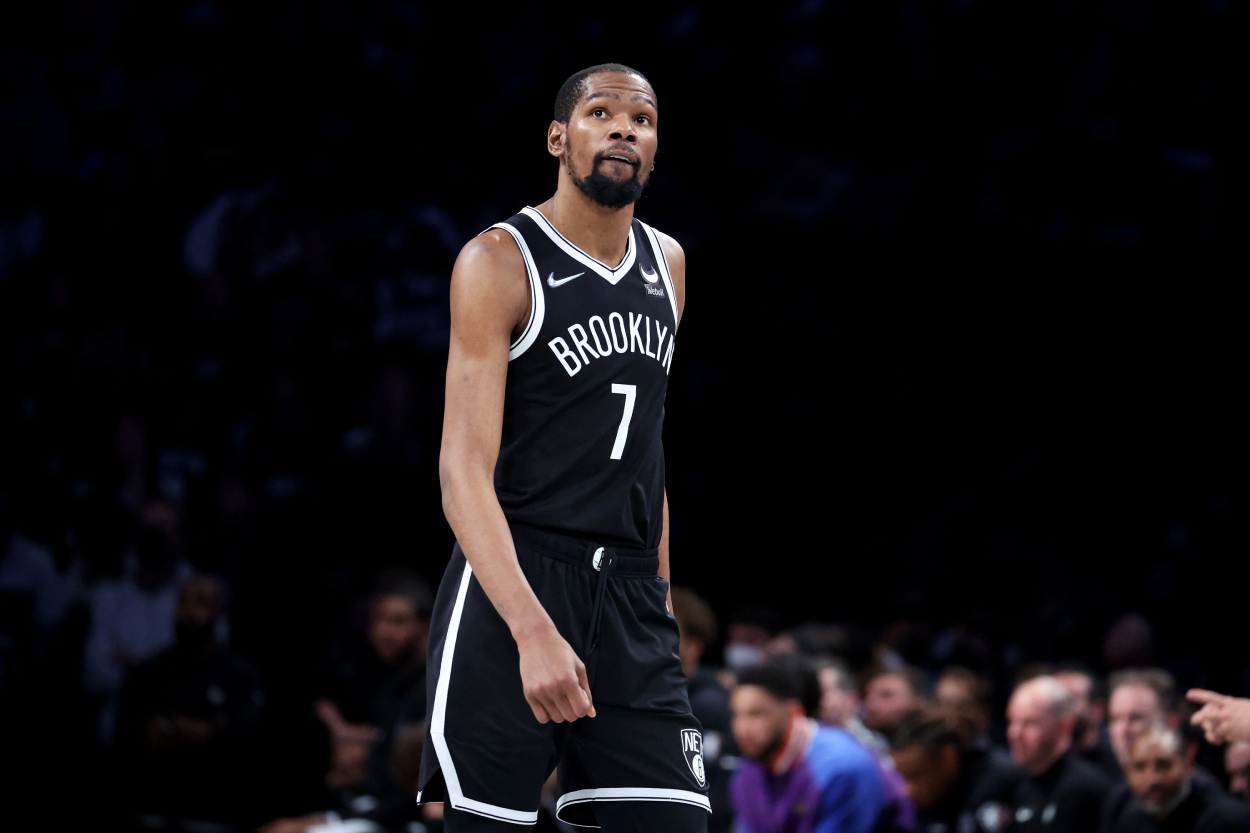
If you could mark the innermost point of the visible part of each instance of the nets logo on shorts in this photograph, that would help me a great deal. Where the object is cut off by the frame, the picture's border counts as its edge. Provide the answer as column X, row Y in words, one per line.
column 692, row 748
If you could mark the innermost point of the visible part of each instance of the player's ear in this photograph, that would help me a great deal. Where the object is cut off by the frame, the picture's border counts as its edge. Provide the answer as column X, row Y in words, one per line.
column 556, row 138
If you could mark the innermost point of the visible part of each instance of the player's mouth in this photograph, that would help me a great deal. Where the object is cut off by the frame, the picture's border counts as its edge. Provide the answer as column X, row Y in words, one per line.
column 619, row 157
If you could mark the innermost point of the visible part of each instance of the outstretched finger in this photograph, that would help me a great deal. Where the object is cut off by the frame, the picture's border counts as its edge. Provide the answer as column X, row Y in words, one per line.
column 584, row 684
column 1201, row 695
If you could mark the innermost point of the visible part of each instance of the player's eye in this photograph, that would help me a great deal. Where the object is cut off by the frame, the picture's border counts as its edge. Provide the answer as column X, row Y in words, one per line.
column 598, row 111
column 644, row 120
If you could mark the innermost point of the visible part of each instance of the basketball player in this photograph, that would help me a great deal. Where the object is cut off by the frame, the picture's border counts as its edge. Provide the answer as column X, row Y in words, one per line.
column 552, row 644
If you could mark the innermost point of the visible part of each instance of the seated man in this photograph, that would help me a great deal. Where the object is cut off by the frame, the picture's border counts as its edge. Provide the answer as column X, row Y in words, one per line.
column 961, row 695
column 188, row 720
column 956, row 789
column 800, row 776
column 840, row 702
column 1162, row 795
column 370, row 695
column 1062, row 792
column 890, row 693
column 1090, row 738
column 1140, row 699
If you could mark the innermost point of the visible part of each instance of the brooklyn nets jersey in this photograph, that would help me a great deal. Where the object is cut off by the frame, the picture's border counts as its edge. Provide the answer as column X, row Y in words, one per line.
column 581, row 451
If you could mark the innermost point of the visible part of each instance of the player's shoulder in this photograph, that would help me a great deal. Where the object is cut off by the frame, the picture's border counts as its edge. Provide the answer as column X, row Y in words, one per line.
column 491, row 250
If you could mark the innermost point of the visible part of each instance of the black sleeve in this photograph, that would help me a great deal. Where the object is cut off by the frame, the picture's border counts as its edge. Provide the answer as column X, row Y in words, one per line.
column 245, row 700
column 139, row 701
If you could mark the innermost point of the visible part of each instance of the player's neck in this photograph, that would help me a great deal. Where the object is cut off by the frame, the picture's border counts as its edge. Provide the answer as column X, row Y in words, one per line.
column 602, row 233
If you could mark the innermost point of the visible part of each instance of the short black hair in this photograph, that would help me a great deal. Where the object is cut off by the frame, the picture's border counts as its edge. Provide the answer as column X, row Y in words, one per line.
column 926, row 728
column 914, row 677
column 399, row 581
column 788, row 677
column 574, row 87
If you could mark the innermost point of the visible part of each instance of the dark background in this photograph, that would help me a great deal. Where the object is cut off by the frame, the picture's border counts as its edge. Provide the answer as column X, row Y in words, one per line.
column 961, row 345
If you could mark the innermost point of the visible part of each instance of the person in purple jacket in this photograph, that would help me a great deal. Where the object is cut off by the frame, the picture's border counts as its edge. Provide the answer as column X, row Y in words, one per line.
column 797, row 776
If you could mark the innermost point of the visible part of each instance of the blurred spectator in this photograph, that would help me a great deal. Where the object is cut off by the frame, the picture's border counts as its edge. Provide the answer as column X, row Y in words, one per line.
column 963, row 695
column 365, row 689
column 1221, row 717
column 1163, row 796
column 371, row 699
column 1062, row 792
column 954, row 788
column 890, row 693
column 748, row 635
column 709, row 701
column 1140, row 698
column 1091, row 740
column 28, row 569
column 132, row 619
column 840, row 705
column 188, row 720
column 1237, row 767
column 800, row 775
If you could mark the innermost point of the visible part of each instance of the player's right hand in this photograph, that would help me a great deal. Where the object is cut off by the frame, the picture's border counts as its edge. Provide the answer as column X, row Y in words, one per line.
column 553, row 678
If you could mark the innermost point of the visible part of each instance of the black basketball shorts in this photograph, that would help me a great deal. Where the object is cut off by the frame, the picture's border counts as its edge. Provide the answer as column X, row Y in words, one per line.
column 485, row 752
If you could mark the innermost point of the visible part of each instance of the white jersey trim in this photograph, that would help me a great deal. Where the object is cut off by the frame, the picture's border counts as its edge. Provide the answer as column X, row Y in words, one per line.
column 630, row 794
column 612, row 276
column 538, row 306
column 662, row 262
column 439, row 720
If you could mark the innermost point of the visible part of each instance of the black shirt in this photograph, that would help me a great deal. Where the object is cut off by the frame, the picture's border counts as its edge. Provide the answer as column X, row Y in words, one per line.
column 980, row 800
column 214, row 685
column 1205, row 810
column 1103, row 756
column 1067, row 798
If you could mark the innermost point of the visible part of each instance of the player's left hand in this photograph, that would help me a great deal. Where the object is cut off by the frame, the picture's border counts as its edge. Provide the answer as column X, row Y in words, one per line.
column 1222, row 718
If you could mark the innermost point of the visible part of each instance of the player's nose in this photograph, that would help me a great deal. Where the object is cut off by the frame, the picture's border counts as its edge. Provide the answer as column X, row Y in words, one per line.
column 622, row 129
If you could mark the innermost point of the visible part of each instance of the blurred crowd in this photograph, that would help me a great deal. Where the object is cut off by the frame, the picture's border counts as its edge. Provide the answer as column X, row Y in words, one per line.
column 226, row 231
column 800, row 739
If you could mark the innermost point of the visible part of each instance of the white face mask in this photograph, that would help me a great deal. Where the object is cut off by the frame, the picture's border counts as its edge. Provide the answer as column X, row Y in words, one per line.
column 739, row 655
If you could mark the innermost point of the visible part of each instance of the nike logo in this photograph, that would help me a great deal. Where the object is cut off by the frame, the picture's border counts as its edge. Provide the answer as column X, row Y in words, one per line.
column 650, row 275
column 551, row 279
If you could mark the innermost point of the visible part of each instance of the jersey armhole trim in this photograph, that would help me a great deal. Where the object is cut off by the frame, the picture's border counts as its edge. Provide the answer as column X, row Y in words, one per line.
column 661, row 260
column 538, row 308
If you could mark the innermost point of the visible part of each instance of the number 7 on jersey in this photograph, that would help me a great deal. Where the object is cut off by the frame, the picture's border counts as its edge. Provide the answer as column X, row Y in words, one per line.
column 630, row 392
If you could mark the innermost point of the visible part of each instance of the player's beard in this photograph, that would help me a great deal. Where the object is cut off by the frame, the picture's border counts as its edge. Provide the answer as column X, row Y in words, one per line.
column 604, row 190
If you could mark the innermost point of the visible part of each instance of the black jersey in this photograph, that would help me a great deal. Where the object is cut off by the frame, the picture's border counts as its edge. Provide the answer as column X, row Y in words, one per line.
column 581, row 451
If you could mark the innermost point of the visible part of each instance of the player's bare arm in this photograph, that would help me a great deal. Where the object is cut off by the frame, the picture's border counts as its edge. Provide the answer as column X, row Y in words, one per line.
column 489, row 301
